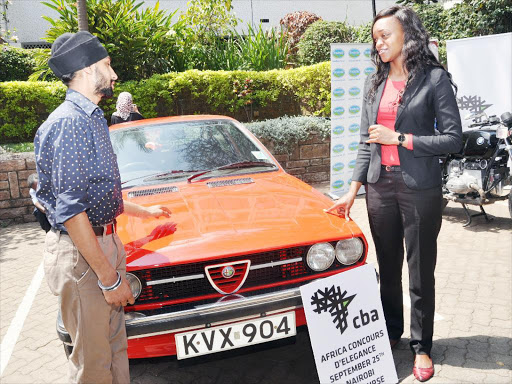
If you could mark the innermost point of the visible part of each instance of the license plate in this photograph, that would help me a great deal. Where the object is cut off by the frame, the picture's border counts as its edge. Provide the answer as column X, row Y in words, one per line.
column 237, row 335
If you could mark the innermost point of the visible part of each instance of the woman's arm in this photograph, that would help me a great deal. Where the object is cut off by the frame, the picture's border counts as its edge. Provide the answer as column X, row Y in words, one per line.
column 363, row 154
column 448, row 121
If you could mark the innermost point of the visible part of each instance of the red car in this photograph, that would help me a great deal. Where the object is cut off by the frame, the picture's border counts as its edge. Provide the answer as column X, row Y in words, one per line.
column 224, row 272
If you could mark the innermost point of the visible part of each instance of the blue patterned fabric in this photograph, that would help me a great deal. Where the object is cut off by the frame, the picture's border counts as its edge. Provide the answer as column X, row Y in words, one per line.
column 76, row 164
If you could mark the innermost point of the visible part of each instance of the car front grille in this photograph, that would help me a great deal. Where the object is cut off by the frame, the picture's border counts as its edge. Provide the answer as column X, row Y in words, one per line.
column 184, row 281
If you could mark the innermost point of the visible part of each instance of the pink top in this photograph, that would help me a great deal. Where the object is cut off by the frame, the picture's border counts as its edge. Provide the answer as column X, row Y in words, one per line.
column 386, row 116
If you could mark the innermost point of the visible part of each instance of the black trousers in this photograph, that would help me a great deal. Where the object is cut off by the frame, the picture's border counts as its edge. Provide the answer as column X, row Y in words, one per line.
column 43, row 221
column 397, row 212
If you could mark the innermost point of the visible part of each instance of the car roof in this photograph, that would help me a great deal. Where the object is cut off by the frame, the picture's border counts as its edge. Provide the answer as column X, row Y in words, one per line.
column 169, row 119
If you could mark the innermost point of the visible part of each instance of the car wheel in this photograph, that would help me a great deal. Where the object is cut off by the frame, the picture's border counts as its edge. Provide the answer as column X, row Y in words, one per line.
column 67, row 349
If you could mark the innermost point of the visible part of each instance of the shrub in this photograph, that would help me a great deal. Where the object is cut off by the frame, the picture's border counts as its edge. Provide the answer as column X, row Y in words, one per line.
column 27, row 104
column 15, row 63
column 294, row 25
column 140, row 42
column 363, row 33
column 285, row 132
column 315, row 44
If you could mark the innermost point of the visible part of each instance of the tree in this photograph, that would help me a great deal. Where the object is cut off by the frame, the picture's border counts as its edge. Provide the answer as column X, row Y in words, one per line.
column 83, row 24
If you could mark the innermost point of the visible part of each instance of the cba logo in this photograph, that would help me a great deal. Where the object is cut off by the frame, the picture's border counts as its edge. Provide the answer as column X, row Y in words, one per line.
column 354, row 53
column 338, row 92
column 353, row 146
column 338, row 167
column 338, row 130
column 337, row 184
column 354, row 128
column 367, row 52
column 338, row 53
column 338, row 72
column 332, row 301
column 352, row 165
column 338, row 111
column 338, row 148
column 369, row 70
column 354, row 91
column 354, row 109
column 354, row 72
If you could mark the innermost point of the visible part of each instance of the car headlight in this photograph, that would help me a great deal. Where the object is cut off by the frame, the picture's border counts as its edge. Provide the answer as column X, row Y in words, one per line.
column 320, row 256
column 135, row 284
column 349, row 251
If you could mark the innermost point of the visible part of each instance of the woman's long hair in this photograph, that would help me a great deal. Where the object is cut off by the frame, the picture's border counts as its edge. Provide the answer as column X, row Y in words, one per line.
column 416, row 52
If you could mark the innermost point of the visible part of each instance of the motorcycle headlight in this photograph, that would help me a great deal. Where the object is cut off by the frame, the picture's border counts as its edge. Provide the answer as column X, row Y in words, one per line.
column 320, row 256
column 135, row 284
column 349, row 251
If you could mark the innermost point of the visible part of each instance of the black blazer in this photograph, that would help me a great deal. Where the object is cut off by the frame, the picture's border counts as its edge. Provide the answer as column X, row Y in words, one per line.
column 429, row 97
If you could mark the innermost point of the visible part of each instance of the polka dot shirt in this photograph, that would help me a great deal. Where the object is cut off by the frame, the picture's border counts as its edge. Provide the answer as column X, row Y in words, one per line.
column 76, row 164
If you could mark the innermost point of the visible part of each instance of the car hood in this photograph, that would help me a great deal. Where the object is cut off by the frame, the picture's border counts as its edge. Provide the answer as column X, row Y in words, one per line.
column 272, row 211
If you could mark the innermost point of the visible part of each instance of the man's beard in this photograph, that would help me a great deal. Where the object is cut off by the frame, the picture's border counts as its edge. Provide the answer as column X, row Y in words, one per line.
column 101, row 88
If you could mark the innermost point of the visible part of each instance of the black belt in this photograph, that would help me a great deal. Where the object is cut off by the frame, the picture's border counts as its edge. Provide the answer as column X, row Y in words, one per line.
column 391, row 168
column 106, row 229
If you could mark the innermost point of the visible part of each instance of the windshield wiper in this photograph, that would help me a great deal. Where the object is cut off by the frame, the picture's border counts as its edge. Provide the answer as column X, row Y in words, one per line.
column 240, row 164
column 159, row 175
column 168, row 174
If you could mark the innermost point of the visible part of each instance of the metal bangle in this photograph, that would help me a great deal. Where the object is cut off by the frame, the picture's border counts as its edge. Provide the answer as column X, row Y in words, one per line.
column 113, row 286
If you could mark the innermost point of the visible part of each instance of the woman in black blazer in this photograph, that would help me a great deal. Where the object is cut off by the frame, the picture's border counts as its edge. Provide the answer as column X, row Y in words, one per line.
column 409, row 118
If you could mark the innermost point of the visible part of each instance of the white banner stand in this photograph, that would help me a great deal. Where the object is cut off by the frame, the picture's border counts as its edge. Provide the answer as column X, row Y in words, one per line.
column 347, row 329
column 482, row 69
column 350, row 64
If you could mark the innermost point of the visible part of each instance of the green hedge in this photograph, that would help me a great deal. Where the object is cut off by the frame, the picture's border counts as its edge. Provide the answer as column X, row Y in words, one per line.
column 15, row 63
column 25, row 105
column 287, row 131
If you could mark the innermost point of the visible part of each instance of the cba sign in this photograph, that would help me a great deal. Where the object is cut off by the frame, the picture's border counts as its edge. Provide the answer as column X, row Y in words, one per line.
column 336, row 303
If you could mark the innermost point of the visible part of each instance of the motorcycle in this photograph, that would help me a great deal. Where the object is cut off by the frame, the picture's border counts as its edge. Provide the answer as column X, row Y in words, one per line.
column 481, row 173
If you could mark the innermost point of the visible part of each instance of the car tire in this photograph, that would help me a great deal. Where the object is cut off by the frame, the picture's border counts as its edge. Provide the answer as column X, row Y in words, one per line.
column 67, row 350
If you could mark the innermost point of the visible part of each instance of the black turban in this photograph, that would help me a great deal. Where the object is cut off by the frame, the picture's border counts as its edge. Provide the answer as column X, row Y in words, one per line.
column 74, row 51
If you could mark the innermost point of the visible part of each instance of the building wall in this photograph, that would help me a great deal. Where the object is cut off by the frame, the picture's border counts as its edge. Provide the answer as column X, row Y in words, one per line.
column 26, row 15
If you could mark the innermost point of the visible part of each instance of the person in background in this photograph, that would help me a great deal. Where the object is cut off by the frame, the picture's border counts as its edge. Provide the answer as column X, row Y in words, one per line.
column 80, row 187
column 39, row 211
column 398, row 162
column 125, row 110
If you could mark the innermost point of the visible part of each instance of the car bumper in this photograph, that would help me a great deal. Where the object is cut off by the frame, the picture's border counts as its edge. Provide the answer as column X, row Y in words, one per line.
column 205, row 315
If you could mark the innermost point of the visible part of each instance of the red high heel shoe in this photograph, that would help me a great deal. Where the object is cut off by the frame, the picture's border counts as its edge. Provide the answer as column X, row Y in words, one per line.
column 423, row 374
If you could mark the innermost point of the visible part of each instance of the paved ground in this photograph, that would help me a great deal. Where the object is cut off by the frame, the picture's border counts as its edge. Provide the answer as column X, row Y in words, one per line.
column 473, row 330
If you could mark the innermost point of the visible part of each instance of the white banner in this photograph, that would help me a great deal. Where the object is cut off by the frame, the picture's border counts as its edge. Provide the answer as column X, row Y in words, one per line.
column 347, row 329
column 482, row 69
column 350, row 64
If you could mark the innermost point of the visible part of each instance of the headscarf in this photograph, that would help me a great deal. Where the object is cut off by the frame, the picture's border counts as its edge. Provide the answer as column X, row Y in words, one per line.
column 124, row 105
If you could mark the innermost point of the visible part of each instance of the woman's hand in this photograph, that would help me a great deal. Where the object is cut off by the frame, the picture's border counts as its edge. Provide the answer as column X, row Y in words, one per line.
column 342, row 206
column 382, row 135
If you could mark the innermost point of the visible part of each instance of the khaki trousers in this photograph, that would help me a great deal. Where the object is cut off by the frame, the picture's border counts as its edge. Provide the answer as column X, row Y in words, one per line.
column 97, row 329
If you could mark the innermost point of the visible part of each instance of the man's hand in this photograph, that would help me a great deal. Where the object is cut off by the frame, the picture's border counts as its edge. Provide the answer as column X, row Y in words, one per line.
column 157, row 211
column 137, row 210
column 120, row 296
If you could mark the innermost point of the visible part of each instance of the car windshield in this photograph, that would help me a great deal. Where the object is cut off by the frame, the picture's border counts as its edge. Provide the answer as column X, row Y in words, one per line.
column 152, row 153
